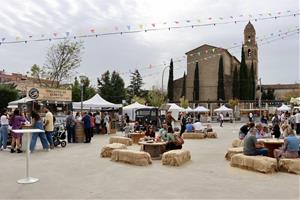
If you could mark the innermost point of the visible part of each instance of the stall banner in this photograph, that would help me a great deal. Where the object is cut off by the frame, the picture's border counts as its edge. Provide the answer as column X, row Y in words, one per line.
column 49, row 94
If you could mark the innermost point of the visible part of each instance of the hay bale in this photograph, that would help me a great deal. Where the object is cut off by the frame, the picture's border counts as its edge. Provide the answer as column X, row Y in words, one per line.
column 211, row 135
column 176, row 157
column 106, row 151
column 119, row 139
column 233, row 151
column 193, row 135
column 257, row 163
column 237, row 143
column 139, row 158
column 290, row 165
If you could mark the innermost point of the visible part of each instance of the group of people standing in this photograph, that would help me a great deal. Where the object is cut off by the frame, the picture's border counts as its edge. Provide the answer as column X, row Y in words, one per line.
column 91, row 122
column 17, row 120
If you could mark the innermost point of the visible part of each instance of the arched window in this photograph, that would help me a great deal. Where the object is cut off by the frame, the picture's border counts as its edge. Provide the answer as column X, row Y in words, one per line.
column 249, row 52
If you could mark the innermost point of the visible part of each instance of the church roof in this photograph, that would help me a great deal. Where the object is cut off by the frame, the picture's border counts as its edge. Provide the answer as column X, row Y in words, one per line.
column 249, row 27
column 207, row 46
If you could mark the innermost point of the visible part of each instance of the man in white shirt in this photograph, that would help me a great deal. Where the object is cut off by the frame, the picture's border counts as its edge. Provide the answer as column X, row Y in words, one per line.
column 97, row 122
column 49, row 126
column 198, row 127
column 221, row 119
column 297, row 120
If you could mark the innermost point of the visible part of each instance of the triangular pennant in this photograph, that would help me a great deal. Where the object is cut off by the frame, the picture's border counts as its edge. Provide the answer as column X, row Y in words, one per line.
column 128, row 27
column 141, row 26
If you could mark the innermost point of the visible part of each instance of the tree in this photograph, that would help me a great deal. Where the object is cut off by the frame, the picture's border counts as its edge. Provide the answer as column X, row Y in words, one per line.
column 252, row 85
column 111, row 87
column 8, row 93
column 184, row 103
column 156, row 98
column 135, row 86
column 221, row 92
column 117, row 88
column 61, row 61
column 140, row 100
column 235, row 84
column 196, row 83
column 183, row 92
column 37, row 73
column 244, row 89
column 170, row 82
column 88, row 90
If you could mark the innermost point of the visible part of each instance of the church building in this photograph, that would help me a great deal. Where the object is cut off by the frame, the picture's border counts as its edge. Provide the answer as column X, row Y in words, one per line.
column 208, row 57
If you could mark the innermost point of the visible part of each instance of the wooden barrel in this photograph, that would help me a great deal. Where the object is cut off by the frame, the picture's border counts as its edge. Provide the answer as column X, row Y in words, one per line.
column 79, row 132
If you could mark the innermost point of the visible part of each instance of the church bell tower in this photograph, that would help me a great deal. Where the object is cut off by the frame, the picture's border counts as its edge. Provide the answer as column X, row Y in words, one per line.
column 250, row 47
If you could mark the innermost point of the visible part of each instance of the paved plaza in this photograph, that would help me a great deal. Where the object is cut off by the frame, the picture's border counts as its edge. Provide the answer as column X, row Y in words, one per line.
column 78, row 172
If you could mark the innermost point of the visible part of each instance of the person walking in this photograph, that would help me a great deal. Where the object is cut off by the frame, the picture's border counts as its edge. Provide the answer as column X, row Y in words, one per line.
column 16, row 122
column 297, row 120
column 98, row 122
column 183, row 121
column 38, row 123
column 3, row 130
column 221, row 117
column 49, row 126
column 107, row 123
column 87, row 127
column 70, row 125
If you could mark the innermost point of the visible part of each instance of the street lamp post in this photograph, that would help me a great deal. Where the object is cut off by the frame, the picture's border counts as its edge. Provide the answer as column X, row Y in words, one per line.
column 259, row 100
column 82, row 79
column 162, row 79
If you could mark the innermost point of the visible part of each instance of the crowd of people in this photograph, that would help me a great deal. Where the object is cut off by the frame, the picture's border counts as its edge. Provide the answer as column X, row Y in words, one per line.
column 16, row 120
column 283, row 125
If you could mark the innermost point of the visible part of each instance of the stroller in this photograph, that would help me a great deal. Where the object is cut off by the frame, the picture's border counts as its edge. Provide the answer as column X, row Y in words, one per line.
column 59, row 136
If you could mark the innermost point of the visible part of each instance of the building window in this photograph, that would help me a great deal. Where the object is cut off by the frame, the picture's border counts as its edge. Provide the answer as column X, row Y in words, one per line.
column 249, row 52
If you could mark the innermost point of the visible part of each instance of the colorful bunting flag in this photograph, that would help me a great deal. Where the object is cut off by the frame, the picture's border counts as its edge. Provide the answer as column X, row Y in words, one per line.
column 153, row 25
column 141, row 26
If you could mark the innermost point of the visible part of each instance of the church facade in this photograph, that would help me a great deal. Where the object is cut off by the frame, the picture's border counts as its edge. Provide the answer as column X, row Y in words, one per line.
column 208, row 57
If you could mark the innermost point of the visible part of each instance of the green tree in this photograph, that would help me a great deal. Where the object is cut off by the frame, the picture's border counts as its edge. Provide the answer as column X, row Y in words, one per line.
column 170, row 82
column 156, row 98
column 37, row 73
column 104, row 86
column 184, row 103
column 117, row 88
column 221, row 92
column 196, row 84
column 252, row 85
column 88, row 90
column 135, row 86
column 243, row 76
column 111, row 87
column 8, row 93
column 235, row 84
column 140, row 100
column 183, row 91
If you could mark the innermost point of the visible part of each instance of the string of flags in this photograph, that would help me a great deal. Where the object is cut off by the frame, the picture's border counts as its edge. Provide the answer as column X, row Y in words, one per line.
column 171, row 25
column 209, row 57
column 211, row 53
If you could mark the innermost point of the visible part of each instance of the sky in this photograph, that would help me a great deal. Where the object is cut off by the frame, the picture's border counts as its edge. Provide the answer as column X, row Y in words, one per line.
column 150, row 51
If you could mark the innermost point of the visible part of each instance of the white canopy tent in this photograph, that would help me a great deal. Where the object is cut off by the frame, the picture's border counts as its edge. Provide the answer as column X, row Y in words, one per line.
column 175, row 109
column 95, row 103
column 189, row 110
column 130, row 109
column 201, row 109
column 223, row 109
column 14, row 104
column 283, row 107
column 295, row 101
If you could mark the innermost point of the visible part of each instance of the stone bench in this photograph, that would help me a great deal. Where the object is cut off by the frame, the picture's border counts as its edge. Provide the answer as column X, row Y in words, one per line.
column 211, row 135
column 233, row 151
column 106, row 151
column 193, row 135
column 257, row 163
column 290, row 165
column 139, row 158
column 119, row 139
column 237, row 143
column 176, row 157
